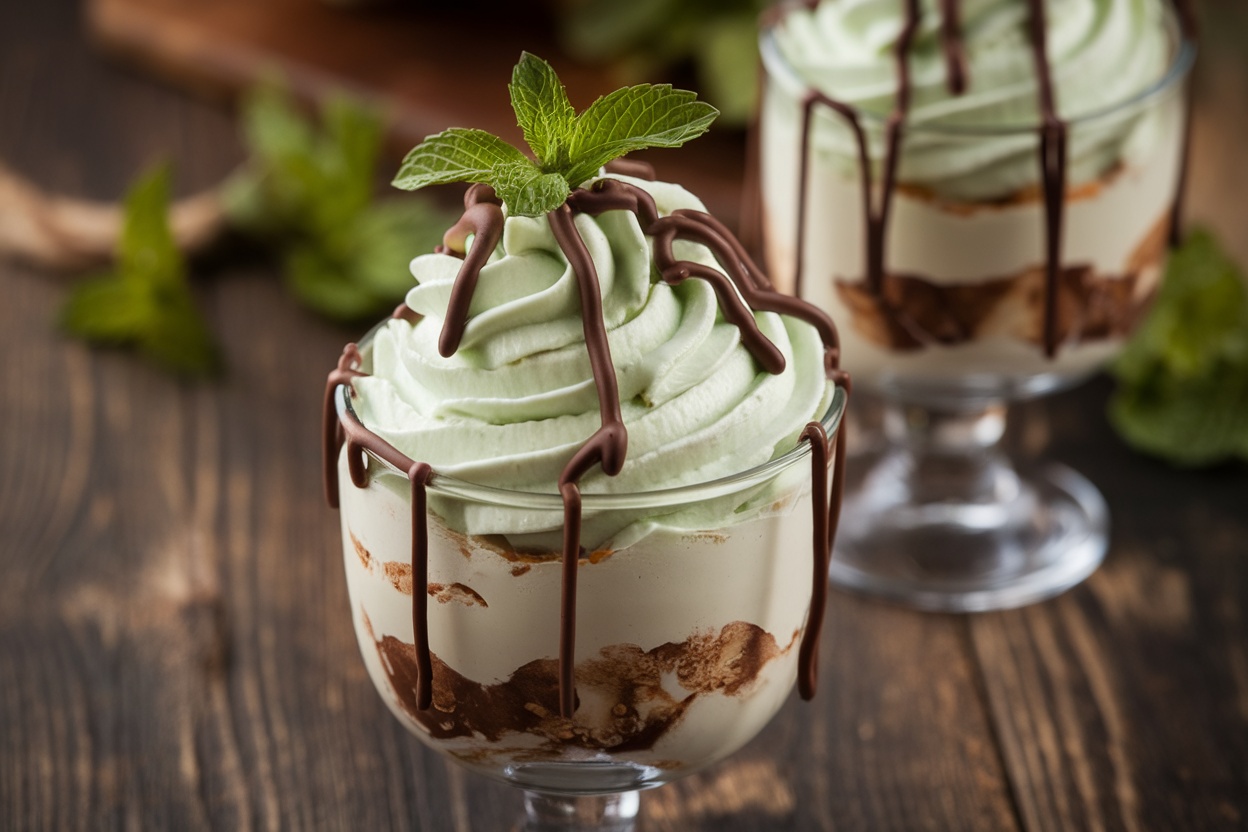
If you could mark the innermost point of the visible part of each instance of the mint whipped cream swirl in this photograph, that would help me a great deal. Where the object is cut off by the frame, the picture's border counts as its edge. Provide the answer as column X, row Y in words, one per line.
column 511, row 407
column 1101, row 53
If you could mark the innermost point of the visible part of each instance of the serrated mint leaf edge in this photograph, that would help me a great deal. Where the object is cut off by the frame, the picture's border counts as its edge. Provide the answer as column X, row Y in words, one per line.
column 455, row 155
column 634, row 118
column 543, row 111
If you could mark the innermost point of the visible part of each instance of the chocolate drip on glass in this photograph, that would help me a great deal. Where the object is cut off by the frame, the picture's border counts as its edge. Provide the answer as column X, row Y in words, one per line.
column 1053, row 141
column 740, row 288
column 1189, row 24
column 1053, row 135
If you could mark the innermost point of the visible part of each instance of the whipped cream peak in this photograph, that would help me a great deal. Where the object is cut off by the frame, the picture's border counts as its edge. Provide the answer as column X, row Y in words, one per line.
column 509, row 406
column 1101, row 53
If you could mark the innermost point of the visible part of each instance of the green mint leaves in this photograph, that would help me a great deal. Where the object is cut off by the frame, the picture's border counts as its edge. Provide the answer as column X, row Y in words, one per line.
column 1183, row 378
column 307, row 191
column 569, row 149
column 146, row 302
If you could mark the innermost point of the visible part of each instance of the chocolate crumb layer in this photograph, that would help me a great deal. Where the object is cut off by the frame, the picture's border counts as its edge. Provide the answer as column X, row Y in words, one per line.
column 911, row 312
column 623, row 704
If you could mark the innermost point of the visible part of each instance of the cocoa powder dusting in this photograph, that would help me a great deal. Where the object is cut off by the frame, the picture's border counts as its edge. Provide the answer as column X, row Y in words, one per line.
column 624, row 705
column 460, row 593
column 399, row 575
column 366, row 558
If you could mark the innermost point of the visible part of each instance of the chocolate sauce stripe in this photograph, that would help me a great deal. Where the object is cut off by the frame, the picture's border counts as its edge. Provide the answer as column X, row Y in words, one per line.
column 808, row 652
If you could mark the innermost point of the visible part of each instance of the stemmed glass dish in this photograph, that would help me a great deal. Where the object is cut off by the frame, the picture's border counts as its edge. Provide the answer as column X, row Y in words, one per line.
column 688, row 625
column 1005, row 275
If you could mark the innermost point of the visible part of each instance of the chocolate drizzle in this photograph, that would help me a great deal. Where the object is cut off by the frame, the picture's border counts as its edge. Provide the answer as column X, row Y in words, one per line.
column 740, row 287
column 1053, row 135
column 1053, row 141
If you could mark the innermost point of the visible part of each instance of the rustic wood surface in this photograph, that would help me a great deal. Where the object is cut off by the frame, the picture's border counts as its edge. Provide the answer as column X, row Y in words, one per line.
column 175, row 644
column 414, row 59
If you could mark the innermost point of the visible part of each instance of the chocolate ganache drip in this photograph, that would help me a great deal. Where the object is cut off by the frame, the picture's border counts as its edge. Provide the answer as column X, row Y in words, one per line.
column 1053, row 134
column 740, row 288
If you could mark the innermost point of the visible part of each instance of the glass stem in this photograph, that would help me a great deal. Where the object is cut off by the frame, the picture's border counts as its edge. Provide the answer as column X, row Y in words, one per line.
column 551, row 812
column 950, row 455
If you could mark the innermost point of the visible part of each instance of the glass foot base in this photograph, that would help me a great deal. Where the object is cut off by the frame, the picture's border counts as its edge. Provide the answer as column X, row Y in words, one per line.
column 596, row 813
column 1039, row 534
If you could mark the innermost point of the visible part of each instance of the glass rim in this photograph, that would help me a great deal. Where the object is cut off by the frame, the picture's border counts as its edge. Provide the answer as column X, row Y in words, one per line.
column 450, row 486
column 1181, row 62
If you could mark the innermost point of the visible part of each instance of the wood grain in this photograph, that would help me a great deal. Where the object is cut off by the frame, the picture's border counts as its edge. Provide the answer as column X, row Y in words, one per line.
column 1120, row 706
column 176, row 649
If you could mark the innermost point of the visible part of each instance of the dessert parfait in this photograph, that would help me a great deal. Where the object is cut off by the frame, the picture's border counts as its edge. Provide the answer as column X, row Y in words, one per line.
column 589, row 472
column 983, row 190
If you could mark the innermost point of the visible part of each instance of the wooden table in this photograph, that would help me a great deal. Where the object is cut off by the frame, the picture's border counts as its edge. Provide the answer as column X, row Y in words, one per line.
column 175, row 644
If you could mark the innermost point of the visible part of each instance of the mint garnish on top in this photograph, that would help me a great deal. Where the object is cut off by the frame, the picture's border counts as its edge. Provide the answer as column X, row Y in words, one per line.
column 569, row 148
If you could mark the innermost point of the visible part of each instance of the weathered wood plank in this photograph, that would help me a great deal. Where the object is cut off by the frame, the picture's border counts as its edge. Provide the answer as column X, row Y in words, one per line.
column 897, row 738
column 1120, row 706
column 1124, row 705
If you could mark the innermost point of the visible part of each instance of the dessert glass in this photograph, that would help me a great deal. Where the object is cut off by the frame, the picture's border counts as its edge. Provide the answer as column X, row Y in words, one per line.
column 692, row 604
column 937, row 516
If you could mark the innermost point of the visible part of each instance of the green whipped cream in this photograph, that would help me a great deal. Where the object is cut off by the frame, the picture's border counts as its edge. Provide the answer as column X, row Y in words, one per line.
column 1102, row 53
column 518, row 399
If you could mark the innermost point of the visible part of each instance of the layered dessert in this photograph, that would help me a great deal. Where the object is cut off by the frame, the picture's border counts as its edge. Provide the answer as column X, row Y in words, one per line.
column 982, row 190
column 588, row 533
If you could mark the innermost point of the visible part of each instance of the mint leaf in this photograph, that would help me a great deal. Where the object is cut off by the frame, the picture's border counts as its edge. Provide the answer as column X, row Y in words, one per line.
column 570, row 148
column 543, row 110
column 633, row 118
column 456, row 155
column 727, row 55
column 323, row 283
column 146, row 303
column 386, row 238
column 308, row 192
column 147, row 255
column 1190, row 424
column 646, row 38
column 1183, row 377
column 348, row 154
column 527, row 191
column 459, row 155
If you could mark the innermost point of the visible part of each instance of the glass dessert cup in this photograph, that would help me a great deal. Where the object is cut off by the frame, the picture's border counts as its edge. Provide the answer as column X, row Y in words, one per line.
column 691, row 607
column 964, row 321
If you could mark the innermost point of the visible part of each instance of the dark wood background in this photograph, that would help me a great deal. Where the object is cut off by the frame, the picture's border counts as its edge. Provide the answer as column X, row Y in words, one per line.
column 176, row 649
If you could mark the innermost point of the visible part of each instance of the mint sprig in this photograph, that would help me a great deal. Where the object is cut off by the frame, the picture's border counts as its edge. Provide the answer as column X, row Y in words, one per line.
column 307, row 191
column 1183, row 378
column 146, row 301
column 568, row 148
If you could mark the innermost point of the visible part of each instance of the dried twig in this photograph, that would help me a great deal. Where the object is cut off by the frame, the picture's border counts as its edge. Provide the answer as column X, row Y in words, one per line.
column 65, row 233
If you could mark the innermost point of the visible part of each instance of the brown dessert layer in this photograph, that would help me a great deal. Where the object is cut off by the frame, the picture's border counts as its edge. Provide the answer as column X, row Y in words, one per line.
column 622, row 703
column 399, row 575
column 910, row 312
column 1029, row 194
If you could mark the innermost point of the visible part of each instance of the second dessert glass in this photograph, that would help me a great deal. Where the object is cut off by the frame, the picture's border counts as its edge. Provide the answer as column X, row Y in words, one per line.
column 692, row 607
column 961, row 315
